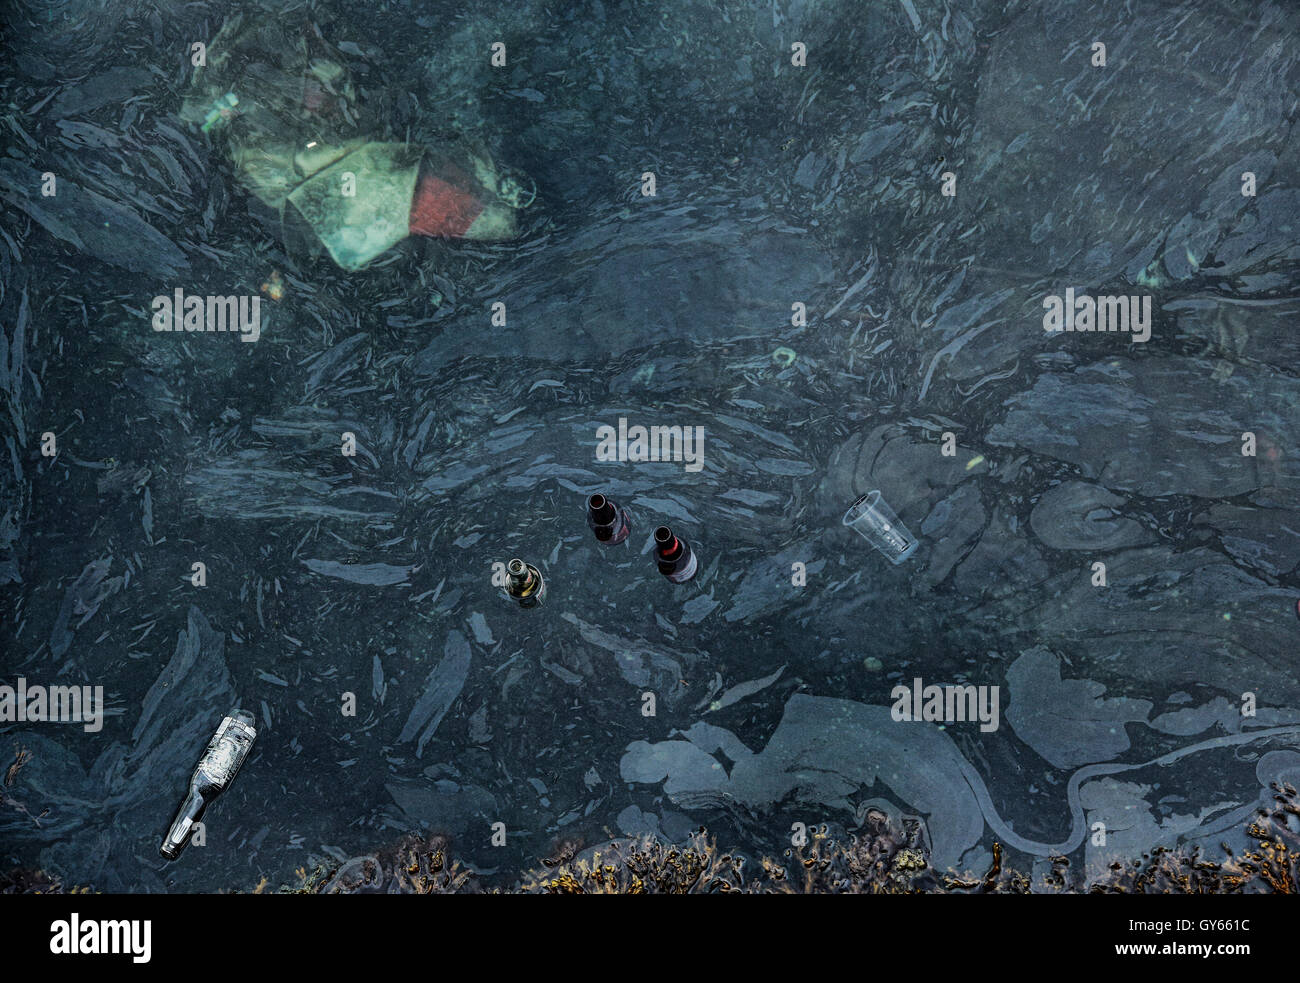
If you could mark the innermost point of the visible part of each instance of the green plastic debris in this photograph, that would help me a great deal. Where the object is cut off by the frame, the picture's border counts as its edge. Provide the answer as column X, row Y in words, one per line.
column 222, row 110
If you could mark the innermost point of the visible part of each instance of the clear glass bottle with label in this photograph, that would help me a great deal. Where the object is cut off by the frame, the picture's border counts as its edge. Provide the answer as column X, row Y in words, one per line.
column 213, row 775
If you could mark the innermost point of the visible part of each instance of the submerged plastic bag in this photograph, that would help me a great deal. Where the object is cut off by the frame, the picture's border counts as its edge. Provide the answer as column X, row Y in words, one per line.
column 296, row 136
column 357, row 227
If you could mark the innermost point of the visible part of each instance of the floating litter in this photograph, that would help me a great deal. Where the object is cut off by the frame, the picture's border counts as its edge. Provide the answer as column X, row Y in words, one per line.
column 876, row 522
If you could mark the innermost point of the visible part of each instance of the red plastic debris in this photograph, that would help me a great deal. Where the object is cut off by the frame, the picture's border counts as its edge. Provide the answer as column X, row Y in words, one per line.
column 444, row 204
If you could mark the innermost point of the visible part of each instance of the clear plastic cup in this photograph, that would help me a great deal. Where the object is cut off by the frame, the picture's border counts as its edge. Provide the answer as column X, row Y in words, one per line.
column 876, row 522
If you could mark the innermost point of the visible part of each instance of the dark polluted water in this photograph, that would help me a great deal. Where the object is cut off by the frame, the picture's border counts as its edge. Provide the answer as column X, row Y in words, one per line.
column 735, row 267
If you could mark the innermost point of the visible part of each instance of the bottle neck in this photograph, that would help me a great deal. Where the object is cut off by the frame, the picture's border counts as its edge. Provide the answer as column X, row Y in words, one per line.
column 189, row 813
column 523, row 584
column 671, row 552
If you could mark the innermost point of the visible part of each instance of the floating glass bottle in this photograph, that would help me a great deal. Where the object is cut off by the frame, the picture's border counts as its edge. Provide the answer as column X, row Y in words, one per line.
column 213, row 775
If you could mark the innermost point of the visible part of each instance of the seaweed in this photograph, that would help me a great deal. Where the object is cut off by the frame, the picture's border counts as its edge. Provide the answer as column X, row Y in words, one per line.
column 1272, row 867
column 883, row 858
column 413, row 865
column 644, row 866
column 33, row 880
